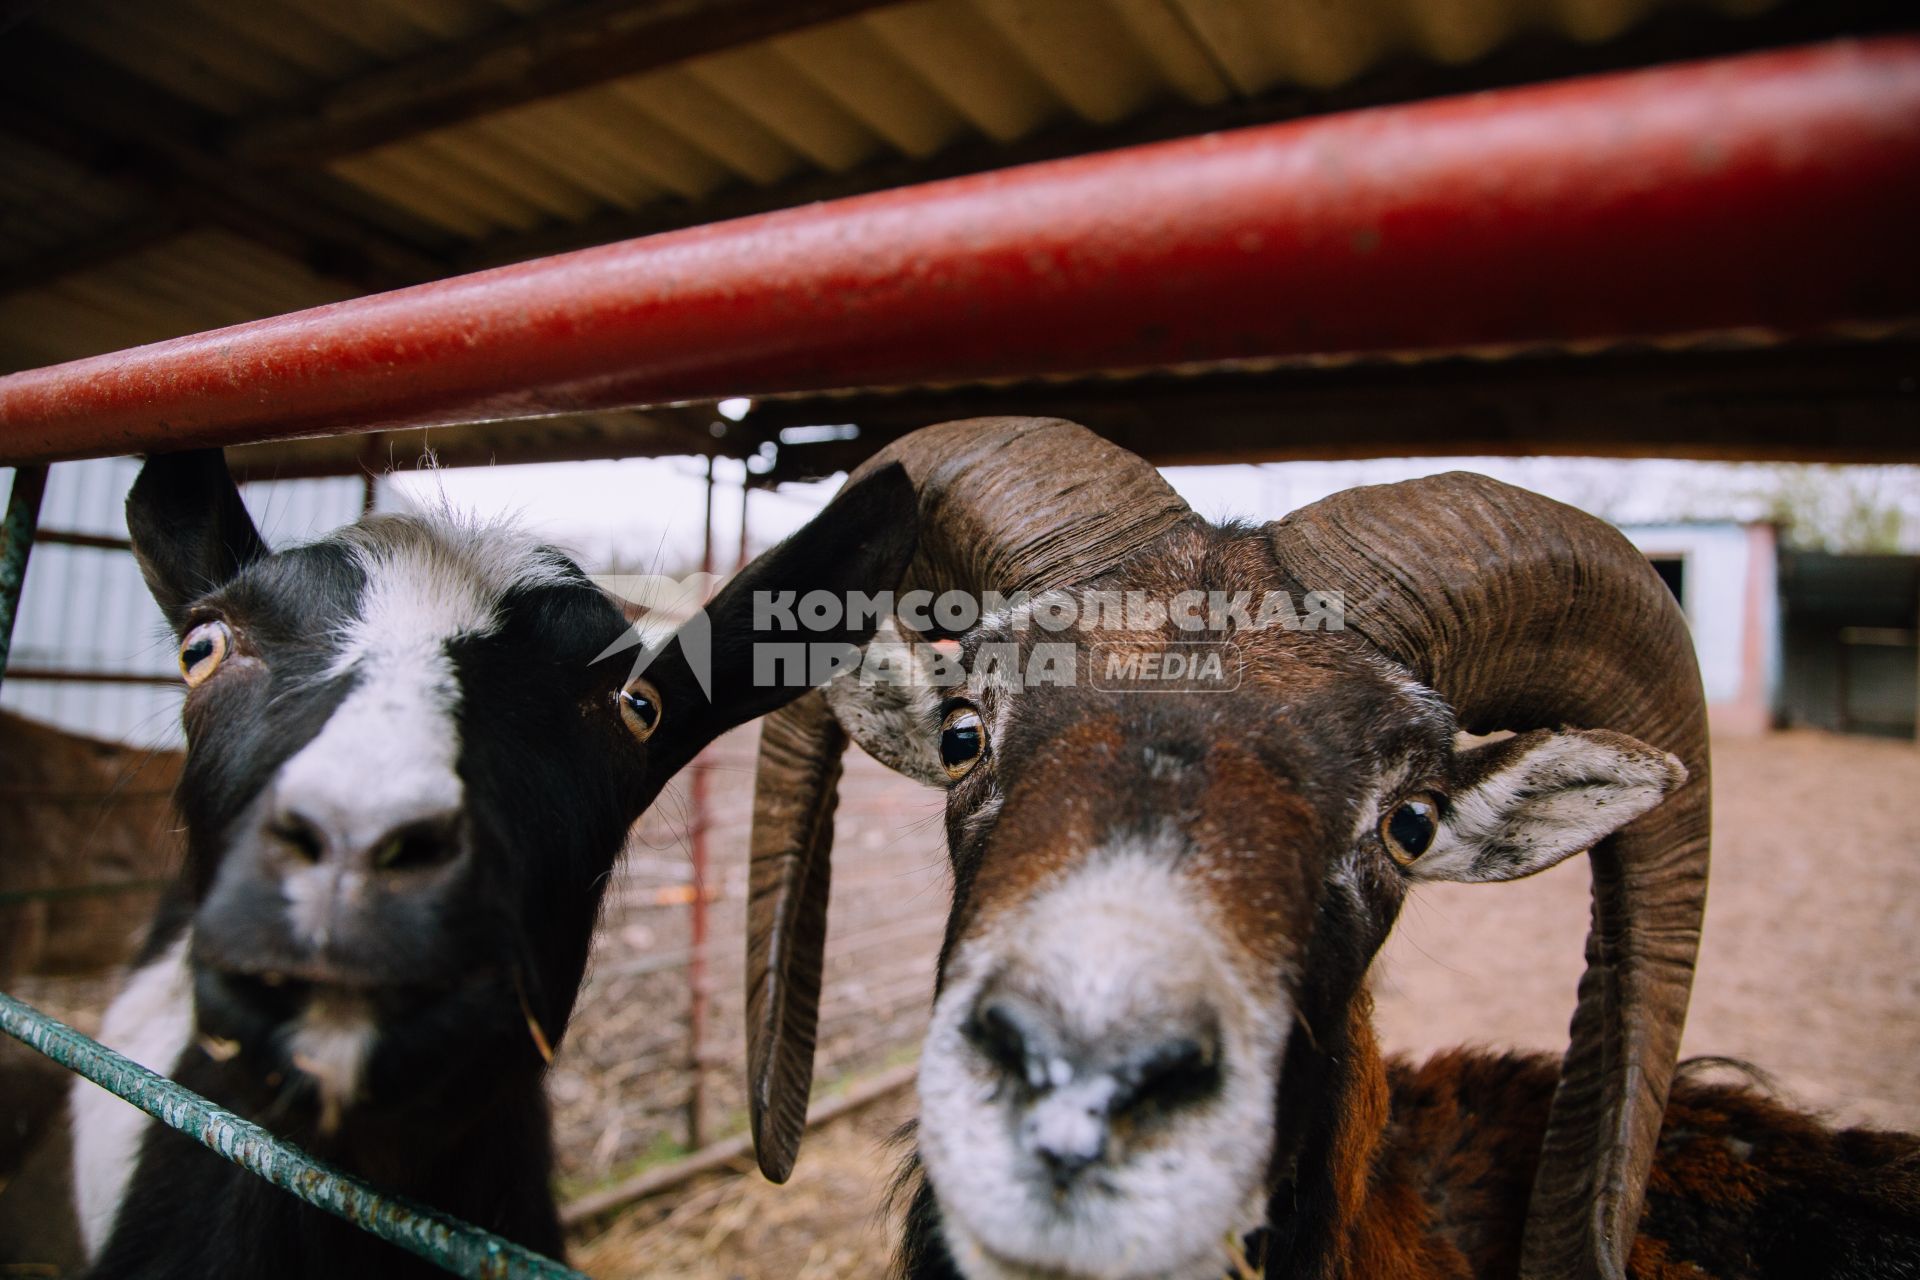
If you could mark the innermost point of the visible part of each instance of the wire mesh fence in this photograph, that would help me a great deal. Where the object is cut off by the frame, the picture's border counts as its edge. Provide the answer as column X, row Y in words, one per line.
column 630, row 1070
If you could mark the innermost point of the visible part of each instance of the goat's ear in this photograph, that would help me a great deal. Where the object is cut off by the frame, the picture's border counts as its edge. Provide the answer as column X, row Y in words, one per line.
column 860, row 542
column 1526, row 803
column 890, row 704
column 190, row 531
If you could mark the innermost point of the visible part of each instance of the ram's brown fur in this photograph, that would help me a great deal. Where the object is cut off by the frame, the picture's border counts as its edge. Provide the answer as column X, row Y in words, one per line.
column 1434, row 1166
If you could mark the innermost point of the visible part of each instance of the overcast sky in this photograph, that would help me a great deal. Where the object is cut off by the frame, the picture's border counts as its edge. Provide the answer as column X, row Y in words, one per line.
column 647, row 513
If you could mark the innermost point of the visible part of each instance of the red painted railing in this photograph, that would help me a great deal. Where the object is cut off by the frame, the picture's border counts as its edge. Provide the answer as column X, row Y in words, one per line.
column 1775, row 190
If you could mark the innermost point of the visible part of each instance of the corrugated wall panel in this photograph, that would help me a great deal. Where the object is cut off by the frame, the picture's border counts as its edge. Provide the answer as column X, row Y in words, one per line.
column 110, row 293
column 88, row 609
column 230, row 57
column 42, row 327
column 225, row 273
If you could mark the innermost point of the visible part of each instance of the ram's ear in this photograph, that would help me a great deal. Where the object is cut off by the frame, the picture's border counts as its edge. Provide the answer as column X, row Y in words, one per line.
column 890, row 704
column 744, row 656
column 1523, row 804
column 191, row 533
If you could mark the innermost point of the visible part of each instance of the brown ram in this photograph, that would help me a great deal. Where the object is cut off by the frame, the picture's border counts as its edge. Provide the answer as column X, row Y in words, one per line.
column 1151, row 1051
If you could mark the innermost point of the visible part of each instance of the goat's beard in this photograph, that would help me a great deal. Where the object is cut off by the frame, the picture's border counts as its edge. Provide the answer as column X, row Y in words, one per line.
column 1177, row 1202
column 309, row 1052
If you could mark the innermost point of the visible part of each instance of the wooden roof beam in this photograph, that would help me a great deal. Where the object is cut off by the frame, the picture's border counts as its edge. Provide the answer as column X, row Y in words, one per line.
column 569, row 46
column 123, row 239
column 1815, row 401
column 125, row 130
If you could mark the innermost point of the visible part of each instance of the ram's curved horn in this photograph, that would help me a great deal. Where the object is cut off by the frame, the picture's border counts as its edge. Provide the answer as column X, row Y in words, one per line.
column 1008, row 505
column 1524, row 613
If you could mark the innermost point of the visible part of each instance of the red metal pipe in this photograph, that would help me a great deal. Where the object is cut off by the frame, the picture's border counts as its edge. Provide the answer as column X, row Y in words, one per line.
column 1777, row 190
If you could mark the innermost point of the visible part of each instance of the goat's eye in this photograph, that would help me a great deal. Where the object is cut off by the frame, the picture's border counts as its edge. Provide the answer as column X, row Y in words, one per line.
column 1409, row 830
column 963, row 740
column 202, row 652
column 640, row 709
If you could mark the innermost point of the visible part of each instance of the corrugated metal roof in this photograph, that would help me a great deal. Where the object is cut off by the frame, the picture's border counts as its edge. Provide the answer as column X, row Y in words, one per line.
column 908, row 81
column 188, row 282
column 888, row 87
column 112, row 239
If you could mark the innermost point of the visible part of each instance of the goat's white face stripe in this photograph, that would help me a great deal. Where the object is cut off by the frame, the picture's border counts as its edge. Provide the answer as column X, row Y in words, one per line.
column 389, row 753
column 1141, row 937
column 150, row 1021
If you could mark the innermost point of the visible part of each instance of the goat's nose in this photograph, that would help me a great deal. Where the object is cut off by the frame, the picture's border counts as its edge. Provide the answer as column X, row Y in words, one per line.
column 1072, row 1087
column 1066, row 1132
column 379, row 844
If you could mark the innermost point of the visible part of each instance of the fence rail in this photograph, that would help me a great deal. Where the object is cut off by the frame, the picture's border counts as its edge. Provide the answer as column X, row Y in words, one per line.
column 447, row 1242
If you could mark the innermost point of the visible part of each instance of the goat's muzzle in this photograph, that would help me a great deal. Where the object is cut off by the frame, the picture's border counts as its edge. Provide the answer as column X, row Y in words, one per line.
column 1077, row 1099
column 1098, row 1080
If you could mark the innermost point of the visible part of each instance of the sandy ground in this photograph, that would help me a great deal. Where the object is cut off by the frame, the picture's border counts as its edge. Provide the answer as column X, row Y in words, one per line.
column 1810, row 963
column 1810, row 969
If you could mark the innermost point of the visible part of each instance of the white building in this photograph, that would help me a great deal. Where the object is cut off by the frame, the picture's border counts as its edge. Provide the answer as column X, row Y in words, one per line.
column 1726, row 576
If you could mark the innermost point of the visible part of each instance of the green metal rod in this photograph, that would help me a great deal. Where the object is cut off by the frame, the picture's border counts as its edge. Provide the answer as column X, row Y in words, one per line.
column 16, row 541
column 447, row 1242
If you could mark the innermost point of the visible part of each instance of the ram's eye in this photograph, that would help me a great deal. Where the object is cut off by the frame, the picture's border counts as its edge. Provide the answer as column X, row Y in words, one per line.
column 963, row 740
column 202, row 652
column 1408, row 831
column 640, row 709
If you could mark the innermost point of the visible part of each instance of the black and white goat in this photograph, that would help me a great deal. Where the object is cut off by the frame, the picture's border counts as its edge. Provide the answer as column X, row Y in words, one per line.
column 1151, row 1051
column 409, row 774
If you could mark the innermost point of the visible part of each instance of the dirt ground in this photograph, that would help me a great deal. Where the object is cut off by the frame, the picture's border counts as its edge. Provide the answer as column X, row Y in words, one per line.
column 1810, row 969
column 832, row 1219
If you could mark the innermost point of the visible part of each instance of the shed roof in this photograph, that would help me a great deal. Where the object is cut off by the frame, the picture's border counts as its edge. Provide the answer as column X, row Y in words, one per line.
column 178, row 165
